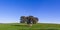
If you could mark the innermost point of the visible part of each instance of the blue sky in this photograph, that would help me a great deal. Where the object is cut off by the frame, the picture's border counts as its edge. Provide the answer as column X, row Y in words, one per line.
column 48, row 11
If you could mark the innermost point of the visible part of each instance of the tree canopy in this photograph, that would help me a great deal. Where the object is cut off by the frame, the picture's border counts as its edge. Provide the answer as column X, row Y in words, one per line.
column 23, row 19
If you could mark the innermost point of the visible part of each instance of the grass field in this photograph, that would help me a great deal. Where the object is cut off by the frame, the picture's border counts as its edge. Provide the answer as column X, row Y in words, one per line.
column 39, row 26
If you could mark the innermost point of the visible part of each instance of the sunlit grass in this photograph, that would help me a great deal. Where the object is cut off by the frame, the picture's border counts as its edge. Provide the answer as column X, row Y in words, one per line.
column 19, row 26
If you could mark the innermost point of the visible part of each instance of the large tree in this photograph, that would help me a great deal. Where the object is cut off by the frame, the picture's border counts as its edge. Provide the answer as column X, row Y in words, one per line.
column 24, row 19
column 35, row 20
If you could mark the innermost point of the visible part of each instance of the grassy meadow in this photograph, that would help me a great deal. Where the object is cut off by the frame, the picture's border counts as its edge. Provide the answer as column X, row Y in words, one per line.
column 39, row 26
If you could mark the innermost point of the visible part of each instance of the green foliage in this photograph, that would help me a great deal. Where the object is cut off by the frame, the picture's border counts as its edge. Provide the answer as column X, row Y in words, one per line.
column 24, row 19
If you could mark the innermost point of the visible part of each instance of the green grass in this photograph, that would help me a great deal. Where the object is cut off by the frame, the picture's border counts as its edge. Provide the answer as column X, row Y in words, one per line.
column 39, row 26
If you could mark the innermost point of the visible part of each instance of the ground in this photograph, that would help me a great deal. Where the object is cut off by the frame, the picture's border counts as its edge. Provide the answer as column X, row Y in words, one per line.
column 39, row 26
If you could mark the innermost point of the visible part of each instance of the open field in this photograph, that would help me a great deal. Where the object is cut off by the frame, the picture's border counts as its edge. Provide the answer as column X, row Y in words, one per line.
column 39, row 26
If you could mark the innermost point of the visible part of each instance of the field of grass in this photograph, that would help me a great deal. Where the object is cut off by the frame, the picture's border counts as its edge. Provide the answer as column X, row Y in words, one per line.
column 39, row 26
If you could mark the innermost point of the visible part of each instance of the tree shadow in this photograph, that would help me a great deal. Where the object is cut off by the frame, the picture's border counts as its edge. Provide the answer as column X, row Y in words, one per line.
column 20, row 25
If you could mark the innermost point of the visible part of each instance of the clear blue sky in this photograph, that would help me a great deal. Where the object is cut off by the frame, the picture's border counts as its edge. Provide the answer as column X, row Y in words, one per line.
column 48, row 11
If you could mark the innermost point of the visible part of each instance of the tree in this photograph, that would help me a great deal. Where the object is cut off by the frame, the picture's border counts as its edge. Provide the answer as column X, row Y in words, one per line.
column 35, row 20
column 24, row 19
